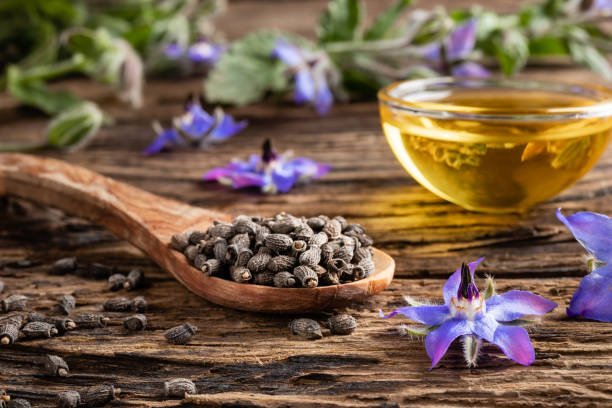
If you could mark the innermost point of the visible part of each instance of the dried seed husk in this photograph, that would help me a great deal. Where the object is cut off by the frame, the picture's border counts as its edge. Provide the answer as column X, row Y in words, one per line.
column 279, row 243
column 199, row 261
column 35, row 330
column 332, row 228
column 137, row 322
column 241, row 241
column 284, row 279
column 195, row 237
column 66, row 304
column 179, row 241
column 91, row 320
column 306, row 328
column 9, row 333
column 311, row 257
column 62, row 324
column 98, row 271
column 244, row 225
column 261, row 233
column 342, row 269
column 342, row 324
column 281, row 263
column 365, row 240
column 56, row 366
column 265, row 278
column 231, row 254
column 1, row 286
column 342, row 222
column 180, row 334
column 327, row 252
column 220, row 249
column 64, row 266
column 15, row 303
column 68, row 399
column 116, row 281
column 243, row 257
column 316, row 223
column 139, row 304
column 361, row 254
column 298, row 248
column 178, row 387
column 240, row 274
column 353, row 229
column 329, row 278
column 364, row 269
column 19, row 403
column 212, row 267
column 285, row 225
column 345, row 253
column 99, row 396
column 319, row 269
column 303, row 233
column 134, row 280
column 222, row 230
column 207, row 247
column 307, row 277
column 259, row 261
column 191, row 252
column 14, row 319
column 117, row 304
column 318, row 239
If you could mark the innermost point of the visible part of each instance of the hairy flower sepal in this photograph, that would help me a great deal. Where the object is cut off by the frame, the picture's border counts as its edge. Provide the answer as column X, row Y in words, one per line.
column 467, row 313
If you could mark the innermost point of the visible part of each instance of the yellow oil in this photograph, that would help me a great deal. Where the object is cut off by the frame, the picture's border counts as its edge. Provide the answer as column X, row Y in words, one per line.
column 497, row 165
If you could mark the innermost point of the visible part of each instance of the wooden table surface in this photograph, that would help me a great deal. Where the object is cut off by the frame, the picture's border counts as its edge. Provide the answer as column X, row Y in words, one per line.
column 248, row 359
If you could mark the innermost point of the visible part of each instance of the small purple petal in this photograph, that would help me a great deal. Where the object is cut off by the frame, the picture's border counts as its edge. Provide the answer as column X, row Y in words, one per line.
column 324, row 98
column 196, row 122
column 470, row 70
column 225, row 128
column 485, row 327
column 308, row 168
column 452, row 284
column 284, row 177
column 304, row 87
column 167, row 138
column 461, row 41
column 288, row 53
column 173, row 51
column 593, row 231
column 593, row 299
column 602, row 4
column 432, row 52
column 432, row 315
column 217, row 173
column 437, row 342
column 240, row 180
column 205, row 52
column 516, row 304
column 515, row 343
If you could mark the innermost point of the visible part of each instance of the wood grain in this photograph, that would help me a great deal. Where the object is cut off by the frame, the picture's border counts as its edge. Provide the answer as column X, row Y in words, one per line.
column 248, row 359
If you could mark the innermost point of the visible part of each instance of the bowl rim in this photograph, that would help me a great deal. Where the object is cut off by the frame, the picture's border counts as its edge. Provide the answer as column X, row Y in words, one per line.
column 439, row 110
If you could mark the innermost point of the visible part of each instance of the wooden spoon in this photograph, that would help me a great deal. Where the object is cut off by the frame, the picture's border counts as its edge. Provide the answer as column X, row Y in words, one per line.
column 148, row 222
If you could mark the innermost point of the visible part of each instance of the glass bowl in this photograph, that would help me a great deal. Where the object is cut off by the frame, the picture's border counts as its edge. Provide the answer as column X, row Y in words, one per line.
column 496, row 145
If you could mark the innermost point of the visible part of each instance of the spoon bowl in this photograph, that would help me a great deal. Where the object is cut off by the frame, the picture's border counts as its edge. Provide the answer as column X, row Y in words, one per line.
column 148, row 222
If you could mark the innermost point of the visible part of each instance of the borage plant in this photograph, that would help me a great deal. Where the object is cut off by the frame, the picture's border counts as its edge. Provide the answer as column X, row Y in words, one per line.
column 474, row 317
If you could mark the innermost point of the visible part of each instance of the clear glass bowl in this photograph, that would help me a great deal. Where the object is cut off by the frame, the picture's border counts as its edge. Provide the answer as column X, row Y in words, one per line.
column 496, row 145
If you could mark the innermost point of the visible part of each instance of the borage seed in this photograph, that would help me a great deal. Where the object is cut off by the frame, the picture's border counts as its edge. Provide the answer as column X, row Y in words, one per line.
column 281, row 263
column 222, row 230
column 91, row 321
column 212, row 267
column 14, row 319
column 342, row 324
column 66, row 304
column 364, row 269
column 14, row 303
column 35, row 330
column 134, row 280
column 56, row 366
column 316, row 223
column 311, row 257
column 220, row 249
column 99, row 396
column 265, row 278
column 298, row 248
column 178, row 387
column 278, row 242
column 240, row 274
column 139, row 304
column 199, row 261
column 243, row 257
column 284, row 280
column 117, row 304
column 306, row 328
column 195, row 237
column 68, row 399
column 307, row 277
column 9, row 333
column 180, row 334
column 99, row 271
column 19, row 403
column 191, row 252
column 332, row 228
column 64, row 266
column 318, row 239
column 259, row 261
column 179, row 241
column 135, row 323
column 116, row 281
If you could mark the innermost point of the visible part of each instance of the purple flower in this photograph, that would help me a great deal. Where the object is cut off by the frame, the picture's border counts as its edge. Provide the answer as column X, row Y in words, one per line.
column 474, row 317
column 197, row 128
column 271, row 172
column 450, row 56
column 593, row 299
column 205, row 52
column 310, row 72
column 174, row 51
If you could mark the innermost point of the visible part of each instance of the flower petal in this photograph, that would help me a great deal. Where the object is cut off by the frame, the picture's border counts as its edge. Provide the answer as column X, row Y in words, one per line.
column 168, row 137
column 216, row 173
column 288, row 53
column 432, row 315
column 452, row 284
column 593, row 299
column 196, row 121
column 470, row 70
column 461, row 41
column 324, row 97
column 203, row 51
column 515, row 343
column 593, row 231
column 173, row 51
column 308, row 168
column 226, row 127
column 240, row 180
column 437, row 341
column 304, row 87
column 432, row 52
column 485, row 327
column 516, row 304
column 284, row 177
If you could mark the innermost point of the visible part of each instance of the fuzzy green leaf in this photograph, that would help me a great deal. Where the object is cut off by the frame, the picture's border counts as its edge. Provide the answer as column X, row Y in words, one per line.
column 512, row 51
column 385, row 20
column 75, row 127
column 587, row 54
column 340, row 21
column 547, row 46
column 418, row 330
column 490, row 288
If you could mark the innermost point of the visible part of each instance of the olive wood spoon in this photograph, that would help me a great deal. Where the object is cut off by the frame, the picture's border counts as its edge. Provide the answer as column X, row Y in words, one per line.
column 148, row 222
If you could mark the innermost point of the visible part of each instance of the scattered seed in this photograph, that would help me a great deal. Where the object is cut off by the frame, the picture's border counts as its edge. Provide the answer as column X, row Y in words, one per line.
column 306, row 328
column 91, row 321
column 66, row 304
column 178, row 387
column 14, row 303
column 342, row 324
column 136, row 322
column 117, row 304
column 180, row 334
column 116, row 281
column 9, row 333
column 68, row 399
column 98, row 396
column 139, row 304
column 56, row 366
column 19, row 403
column 100, row 271
column 64, row 266
column 36, row 330
column 14, row 319
column 134, row 280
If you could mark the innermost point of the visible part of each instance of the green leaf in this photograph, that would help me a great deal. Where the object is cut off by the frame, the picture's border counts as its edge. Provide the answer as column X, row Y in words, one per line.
column 489, row 289
column 512, row 51
column 75, row 127
column 587, row 54
column 547, row 46
column 385, row 20
column 340, row 22
column 247, row 72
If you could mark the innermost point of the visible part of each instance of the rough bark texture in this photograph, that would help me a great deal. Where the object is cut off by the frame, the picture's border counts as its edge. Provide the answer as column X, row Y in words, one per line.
column 248, row 359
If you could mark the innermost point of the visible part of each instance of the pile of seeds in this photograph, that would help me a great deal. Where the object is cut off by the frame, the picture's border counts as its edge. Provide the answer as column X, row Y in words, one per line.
column 282, row 251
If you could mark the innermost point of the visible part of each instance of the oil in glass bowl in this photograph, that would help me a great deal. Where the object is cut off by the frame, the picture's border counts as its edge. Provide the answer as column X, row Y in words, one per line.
column 496, row 146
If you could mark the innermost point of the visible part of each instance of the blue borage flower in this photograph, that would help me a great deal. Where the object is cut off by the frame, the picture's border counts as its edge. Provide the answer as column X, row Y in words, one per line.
column 271, row 172
column 200, row 52
column 450, row 56
column 195, row 127
column 474, row 317
column 593, row 299
column 310, row 71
